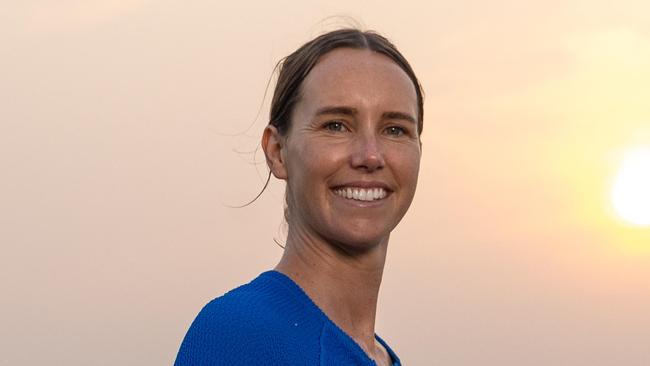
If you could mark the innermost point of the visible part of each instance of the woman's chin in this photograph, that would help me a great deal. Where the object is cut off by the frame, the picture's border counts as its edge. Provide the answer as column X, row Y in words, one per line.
column 359, row 242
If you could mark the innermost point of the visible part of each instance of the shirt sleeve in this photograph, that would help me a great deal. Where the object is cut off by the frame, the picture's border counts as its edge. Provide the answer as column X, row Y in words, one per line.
column 222, row 335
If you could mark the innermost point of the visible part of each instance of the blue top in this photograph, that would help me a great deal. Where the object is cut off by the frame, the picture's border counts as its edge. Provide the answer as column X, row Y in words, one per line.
column 269, row 321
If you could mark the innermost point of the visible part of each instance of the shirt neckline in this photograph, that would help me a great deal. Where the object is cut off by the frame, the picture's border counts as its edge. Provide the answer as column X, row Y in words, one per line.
column 294, row 287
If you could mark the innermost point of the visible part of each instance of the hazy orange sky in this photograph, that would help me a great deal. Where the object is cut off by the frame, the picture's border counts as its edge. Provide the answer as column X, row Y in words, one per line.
column 117, row 169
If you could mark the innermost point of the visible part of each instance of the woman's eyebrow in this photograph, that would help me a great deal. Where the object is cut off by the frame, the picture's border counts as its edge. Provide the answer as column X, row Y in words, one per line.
column 399, row 115
column 350, row 111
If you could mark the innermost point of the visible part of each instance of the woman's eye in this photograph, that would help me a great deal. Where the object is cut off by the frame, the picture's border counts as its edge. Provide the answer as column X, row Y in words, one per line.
column 335, row 126
column 396, row 131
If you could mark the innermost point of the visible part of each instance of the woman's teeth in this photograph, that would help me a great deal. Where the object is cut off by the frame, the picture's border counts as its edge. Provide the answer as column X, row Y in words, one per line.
column 361, row 194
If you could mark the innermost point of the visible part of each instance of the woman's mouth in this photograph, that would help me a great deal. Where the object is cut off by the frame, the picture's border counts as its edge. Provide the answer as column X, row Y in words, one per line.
column 361, row 194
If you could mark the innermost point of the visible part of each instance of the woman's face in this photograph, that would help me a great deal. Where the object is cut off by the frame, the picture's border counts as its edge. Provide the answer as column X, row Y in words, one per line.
column 352, row 154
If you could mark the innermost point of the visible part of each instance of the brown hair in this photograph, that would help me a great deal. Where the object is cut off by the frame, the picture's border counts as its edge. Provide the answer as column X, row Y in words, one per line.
column 295, row 68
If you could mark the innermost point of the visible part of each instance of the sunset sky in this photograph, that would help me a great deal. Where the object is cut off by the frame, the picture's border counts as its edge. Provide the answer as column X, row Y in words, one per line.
column 127, row 128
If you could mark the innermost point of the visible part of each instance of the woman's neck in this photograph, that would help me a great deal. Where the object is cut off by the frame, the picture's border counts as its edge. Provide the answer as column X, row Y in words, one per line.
column 344, row 285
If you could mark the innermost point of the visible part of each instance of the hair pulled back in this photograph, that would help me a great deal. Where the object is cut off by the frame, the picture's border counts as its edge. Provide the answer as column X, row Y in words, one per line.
column 294, row 68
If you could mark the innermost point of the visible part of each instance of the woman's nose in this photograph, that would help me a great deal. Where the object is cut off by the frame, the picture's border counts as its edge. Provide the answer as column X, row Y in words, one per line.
column 368, row 153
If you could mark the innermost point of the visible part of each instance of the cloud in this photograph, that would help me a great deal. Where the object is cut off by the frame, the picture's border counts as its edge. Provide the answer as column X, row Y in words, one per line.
column 66, row 15
column 615, row 50
column 605, row 84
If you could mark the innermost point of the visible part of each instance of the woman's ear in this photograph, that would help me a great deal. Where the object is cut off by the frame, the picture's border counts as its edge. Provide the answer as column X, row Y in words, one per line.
column 273, row 145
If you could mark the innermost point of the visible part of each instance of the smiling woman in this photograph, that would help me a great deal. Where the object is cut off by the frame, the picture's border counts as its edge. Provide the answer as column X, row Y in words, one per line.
column 344, row 133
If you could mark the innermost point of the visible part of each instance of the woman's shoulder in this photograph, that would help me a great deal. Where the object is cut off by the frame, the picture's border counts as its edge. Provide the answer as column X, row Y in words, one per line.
column 259, row 320
column 241, row 308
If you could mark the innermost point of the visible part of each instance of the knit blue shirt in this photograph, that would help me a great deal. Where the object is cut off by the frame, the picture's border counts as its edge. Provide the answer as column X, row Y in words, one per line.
column 269, row 321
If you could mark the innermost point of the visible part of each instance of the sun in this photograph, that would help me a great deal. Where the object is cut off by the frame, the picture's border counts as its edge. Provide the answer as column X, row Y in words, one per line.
column 631, row 189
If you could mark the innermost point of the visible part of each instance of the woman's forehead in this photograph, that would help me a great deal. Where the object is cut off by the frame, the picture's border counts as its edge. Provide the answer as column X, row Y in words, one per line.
column 349, row 76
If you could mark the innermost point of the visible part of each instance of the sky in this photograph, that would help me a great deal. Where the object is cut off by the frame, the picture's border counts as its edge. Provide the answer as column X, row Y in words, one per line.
column 128, row 128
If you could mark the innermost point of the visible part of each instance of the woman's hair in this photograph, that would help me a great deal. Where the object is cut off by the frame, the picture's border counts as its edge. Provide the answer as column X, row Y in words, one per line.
column 295, row 68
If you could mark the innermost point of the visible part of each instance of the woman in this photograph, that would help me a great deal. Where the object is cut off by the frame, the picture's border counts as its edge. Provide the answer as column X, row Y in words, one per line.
column 344, row 133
